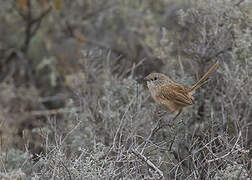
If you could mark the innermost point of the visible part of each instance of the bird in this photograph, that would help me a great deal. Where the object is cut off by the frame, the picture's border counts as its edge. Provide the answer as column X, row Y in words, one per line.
column 172, row 95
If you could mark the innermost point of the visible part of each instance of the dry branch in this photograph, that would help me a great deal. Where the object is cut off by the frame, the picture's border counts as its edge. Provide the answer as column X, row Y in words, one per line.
column 148, row 162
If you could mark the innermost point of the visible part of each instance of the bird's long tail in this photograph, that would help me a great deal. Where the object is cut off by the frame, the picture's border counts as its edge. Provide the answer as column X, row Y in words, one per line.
column 196, row 85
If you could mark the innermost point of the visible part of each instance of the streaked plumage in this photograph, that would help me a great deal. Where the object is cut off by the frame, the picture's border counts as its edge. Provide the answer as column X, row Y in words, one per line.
column 171, row 94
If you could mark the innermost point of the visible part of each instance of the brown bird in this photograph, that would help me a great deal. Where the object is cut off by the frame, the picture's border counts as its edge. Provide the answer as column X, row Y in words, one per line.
column 171, row 94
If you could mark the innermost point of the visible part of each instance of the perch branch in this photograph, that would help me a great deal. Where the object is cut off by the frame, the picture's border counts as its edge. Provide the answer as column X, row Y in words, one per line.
column 148, row 162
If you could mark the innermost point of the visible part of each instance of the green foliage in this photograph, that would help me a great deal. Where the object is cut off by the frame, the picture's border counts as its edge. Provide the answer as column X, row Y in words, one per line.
column 14, row 159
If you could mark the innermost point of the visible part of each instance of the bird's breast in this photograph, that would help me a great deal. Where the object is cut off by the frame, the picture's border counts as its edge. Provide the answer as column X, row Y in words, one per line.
column 154, row 90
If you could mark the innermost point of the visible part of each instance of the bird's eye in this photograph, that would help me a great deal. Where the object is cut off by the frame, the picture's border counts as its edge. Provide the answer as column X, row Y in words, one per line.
column 155, row 78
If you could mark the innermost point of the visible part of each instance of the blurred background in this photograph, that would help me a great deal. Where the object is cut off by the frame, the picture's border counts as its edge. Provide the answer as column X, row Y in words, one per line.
column 73, row 104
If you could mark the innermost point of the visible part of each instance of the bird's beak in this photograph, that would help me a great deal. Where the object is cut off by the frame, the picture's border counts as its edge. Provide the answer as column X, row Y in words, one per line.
column 146, row 79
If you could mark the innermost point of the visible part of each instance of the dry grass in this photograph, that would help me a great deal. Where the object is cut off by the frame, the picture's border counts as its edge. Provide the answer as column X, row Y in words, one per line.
column 109, row 132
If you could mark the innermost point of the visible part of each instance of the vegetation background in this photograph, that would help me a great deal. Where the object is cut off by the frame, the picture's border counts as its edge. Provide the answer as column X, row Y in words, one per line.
column 73, row 104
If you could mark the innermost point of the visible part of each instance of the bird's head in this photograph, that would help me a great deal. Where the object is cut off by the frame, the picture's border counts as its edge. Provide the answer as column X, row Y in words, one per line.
column 155, row 79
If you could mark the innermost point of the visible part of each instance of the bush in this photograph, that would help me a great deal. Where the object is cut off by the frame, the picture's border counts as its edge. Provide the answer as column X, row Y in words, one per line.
column 110, row 132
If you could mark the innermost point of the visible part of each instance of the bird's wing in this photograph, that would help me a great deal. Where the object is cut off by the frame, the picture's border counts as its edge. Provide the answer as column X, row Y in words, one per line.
column 176, row 93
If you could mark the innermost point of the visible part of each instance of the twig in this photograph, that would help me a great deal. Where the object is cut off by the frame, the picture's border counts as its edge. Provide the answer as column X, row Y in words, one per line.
column 37, row 21
column 217, row 54
column 32, row 24
column 238, row 3
column 95, row 13
column 67, row 170
column 154, row 130
column 53, row 111
column 230, row 152
column 52, row 98
column 148, row 162
column 106, row 46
